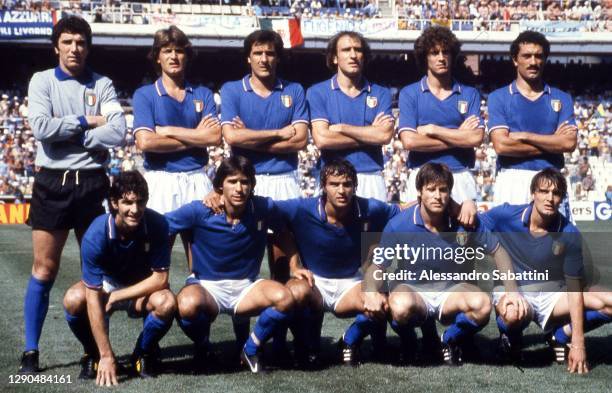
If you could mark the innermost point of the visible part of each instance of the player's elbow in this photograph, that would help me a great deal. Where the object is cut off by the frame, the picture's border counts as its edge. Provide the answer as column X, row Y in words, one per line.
column 569, row 145
column 321, row 141
column 143, row 143
column 229, row 135
column 387, row 135
column 216, row 137
column 499, row 146
column 408, row 140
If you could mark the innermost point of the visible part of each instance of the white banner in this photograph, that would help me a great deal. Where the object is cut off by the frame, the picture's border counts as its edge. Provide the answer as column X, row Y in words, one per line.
column 328, row 27
column 583, row 210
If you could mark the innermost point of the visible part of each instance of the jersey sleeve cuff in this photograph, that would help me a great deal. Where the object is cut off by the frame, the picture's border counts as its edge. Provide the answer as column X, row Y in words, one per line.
column 300, row 121
column 399, row 131
column 92, row 286
column 490, row 130
column 160, row 269
column 143, row 129
column 83, row 122
column 319, row 119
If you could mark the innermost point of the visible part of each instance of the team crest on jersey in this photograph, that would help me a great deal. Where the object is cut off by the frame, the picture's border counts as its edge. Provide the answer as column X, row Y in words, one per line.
column 91, row 99
column 371, row 102
column 462, row 106
column 199, row 105
column 557, row 248
column 462, row 238
column 287, row 101
column 556, row 105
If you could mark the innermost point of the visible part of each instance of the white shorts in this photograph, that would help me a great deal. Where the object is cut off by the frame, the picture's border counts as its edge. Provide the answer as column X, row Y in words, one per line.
column 333, row 289
column 279, row 187
column 369, row 185
column 434, row 296
column 227, row 293
column 109, row 285
column 464, row 186
column 170, row 190
column 541, row 297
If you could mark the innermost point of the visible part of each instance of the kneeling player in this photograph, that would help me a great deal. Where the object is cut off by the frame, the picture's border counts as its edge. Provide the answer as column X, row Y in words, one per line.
column 429, row 226
column 126, row 256
column 327, row 230
column 227, row 252
column 540, row 239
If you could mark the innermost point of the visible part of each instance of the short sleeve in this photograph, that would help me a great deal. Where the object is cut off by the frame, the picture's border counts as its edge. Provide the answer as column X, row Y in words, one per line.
column 383, row 255
column 288, row 209
column 230, row 103
column 91, row 254
column 485, row 238
column 385, row 102
column 144, row 116
column 182, row 218
column 408, row 117
column 317, row 105
column 497, row 113
column 474, row 107
column 209, row 104
column 567, row 110
column 573, row 263
column 300, row 111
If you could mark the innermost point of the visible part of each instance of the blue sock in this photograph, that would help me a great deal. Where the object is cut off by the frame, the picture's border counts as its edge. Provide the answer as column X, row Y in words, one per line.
column 79, row 325
column 36, row 304
column 267, row 323
column 515, row 335
column 592, row 320
column 406, row 333
column 360, row 328
column 198, row 329
column 462, row 328
column 154, row 330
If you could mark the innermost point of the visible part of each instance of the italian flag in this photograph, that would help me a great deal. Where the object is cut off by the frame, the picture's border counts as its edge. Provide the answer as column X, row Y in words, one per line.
column 289, row 30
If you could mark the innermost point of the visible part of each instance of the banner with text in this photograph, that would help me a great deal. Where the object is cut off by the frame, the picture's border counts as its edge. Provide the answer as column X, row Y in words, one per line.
column 329, row 27
column 26, row 24
column 554, row 28
column 14, row 213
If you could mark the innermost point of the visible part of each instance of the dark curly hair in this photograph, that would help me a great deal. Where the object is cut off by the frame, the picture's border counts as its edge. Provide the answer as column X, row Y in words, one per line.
column 128, row 182
column 231, row 166
column 529, row 37
column 74, row 25
column 434, row 172
column 429, row 39
column 170, row 36
column 332, row 48
column 549, row 176
column 263, row 37
column 338, row 167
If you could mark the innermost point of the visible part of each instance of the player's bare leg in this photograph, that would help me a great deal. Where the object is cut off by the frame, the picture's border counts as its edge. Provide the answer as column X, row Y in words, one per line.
column 408, row 310
column 307, row 323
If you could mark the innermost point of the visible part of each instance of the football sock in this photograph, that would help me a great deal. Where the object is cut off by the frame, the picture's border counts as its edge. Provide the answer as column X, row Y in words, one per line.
column 36, row 304
column 515, row 335
column 462, row 327
column 360, row 328
column 79, row 325
column 406, row 333
column 279, row 339
column 315, row 324
column 154, row 330
column 197, row 329
column 267, row 323
column 592, row 320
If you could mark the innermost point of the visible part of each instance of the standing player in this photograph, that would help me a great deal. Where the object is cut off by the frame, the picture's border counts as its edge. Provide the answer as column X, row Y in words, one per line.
column 441, row 115
column 75, row 117
column 428, row 225
column 351, row 117
column 126, row 257
column 264, row 118
column 174, row 122
column 530, row 123
column 540, row 239
column 227, row 253
column 328, row 232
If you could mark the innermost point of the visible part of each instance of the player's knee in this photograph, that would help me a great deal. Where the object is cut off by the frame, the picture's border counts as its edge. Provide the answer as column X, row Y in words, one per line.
column 45, row 269
column 480, row 306
column 75, row 301
column 301, row 292
column 402, row 308
column 189, row 306
column 164, row 304
column 282, row 299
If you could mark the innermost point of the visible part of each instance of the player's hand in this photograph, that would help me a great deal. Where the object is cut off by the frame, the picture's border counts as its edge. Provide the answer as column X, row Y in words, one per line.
column 467, row 214
column 286, row 132
column 577, row 360
column 519, row 135
column 303, row 274
column 566, row 128
column 375, row 305
column 470, row 123
column 95, row 121
column 426, row 130
column 214, row 201
column 107, row 372
column 238, row 123
column 110, row 302
column 208, row 121
column 383, row 119
column 511, row 302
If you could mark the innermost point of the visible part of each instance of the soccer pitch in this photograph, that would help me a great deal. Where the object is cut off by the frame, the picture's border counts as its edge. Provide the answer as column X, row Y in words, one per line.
column 60, row 351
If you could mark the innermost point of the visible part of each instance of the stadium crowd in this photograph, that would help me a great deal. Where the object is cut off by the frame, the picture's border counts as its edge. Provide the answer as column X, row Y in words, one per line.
column 18, row 149
column 472, row 14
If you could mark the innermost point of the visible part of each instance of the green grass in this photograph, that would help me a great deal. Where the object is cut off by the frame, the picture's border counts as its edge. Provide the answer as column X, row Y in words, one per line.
column 60, row 351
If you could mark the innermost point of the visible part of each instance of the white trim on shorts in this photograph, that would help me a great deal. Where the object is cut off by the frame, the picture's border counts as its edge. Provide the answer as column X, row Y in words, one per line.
column 333, row 290
column 434, row 295
column 227, row 294
column 464, row 186
column 170, row 190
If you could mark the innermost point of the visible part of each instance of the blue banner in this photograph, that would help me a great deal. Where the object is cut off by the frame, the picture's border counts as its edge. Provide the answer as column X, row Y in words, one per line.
column 25, row 24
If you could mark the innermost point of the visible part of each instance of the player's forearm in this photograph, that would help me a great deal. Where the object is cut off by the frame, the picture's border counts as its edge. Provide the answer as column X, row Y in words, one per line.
column 325, row 139
column 506, row 146
column 459, row 137
column 95, row 312
column 295, row 144
column 155, row 282
column 108, row 136
column 371, row 283
column 154, row 143
column 195, row 137
column 370, row 135
column 249, row 139
column 555, row 143
column 576, row 306
column 416, row 142
column 503, row 263
column 54, row 129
